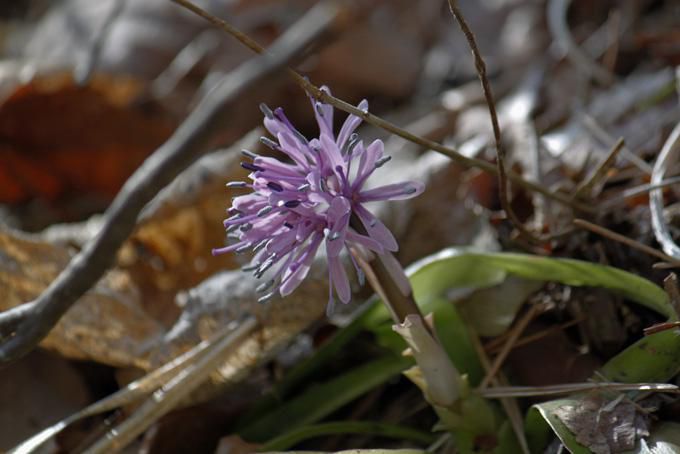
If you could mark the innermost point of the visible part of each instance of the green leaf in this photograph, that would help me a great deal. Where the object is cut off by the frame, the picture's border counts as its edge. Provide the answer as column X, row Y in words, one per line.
column 460, row 268
column 379, row 429
column 541, row 418
column 654, row 358
column 321, row 400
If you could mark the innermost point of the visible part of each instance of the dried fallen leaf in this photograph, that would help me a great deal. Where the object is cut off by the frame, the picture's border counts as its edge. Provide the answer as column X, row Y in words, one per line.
column 604, row 426
column 57, row 137
column 107, row 325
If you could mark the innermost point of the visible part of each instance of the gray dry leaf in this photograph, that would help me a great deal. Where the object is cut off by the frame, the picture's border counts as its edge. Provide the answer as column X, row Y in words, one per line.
column 604, row 426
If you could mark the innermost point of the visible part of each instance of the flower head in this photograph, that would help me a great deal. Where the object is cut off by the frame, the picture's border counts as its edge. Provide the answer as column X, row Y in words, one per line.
column 297, row 205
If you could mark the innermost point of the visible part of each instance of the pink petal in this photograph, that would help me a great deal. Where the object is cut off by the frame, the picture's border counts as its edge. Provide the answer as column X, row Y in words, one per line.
column 365, row 241
column 367, row 163
column 338, row 277
column 324, row 115
column 376, row 229
column 291, row 280
column 338, row 218
column 398, row 191
column 350, row 125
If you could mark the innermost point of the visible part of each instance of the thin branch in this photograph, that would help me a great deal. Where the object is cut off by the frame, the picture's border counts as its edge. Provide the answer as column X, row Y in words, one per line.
column 625, row 240
column 324, row 97
column 491, row 104
column 516, row 331
column 192, row 138
column 586, row 187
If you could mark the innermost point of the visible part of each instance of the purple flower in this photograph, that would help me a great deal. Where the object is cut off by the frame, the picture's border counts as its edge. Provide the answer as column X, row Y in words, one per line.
column 297, row 205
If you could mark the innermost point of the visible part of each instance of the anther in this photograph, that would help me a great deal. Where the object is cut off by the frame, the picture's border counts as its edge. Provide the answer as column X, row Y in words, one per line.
column 292, row 203
column 265, row 298
column 266, row 111
column 275, row 186
column 382, row 161
column 267, row 142
column 251, row 167
column 265, row 211
column 263, row 287
column 249, row 154
column 242, row 249
column 304, row 188
column 237, row 184
column 250, row 267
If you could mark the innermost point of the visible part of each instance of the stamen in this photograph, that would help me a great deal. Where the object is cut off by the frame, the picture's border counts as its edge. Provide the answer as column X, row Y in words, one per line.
column 304, row 188
column 410, row 190
column 249, row 154
column 351, row 143
column 382, row 161
column 263, row 287
column 319, row 109
column 261, row 245
column 292, row 203
column 267, row 142
column 250, row 267
column 264, row 267
column 334, row 236
column 265, row 298
column 251, row 167
column 247, row 226
column 275, row 186
column 243, row 249
column 237, row 184
column 300, row 137
column 288, row 225
column 266, row 111
column 265, row 211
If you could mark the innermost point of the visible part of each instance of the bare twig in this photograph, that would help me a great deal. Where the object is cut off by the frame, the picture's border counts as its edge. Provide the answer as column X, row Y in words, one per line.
column 586, row 187
column 625, row 240
column 636, row 191
column 325, row 97
column 509, row 404
column 190, row 140
column 491, row 104
column 603, row 136
column 500, row 392
column 517, row 331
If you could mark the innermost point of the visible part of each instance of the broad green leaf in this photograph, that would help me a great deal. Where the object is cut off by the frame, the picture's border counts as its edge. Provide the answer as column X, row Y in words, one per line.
column 459, row 268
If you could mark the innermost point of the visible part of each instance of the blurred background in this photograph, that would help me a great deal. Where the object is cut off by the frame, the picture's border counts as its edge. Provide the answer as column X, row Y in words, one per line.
column 88, row 90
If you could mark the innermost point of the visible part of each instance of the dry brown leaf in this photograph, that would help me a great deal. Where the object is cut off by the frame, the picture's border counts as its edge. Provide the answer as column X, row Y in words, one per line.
column 603, row 426
column 107, row 325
